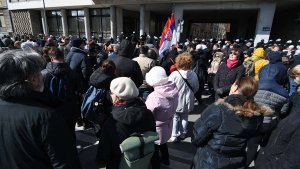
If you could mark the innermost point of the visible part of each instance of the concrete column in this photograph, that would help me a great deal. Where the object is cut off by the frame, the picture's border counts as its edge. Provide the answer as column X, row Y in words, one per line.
column 44, row 22
column 87, row 24
column 264, row 21
column 142, row 19
column 64, row 20
column 113, row 28
column 147, row 22
column 178, row 10
column 119, row 18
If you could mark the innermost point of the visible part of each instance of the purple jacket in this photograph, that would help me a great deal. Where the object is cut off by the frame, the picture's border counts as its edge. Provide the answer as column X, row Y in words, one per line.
column 163, row 102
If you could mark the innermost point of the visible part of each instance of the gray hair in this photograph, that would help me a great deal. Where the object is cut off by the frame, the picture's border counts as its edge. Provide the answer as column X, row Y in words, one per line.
column 16, row 68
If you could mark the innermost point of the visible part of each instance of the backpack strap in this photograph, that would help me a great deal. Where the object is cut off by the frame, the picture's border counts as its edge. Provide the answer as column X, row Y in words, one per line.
column 189, row 85
column 141, row 148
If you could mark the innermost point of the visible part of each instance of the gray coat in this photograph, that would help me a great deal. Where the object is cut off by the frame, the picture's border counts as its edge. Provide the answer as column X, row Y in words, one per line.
column 273, row 100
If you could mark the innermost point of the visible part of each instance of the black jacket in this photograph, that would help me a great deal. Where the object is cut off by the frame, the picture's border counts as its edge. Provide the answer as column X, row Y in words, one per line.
column 78, row 61
column 282, row 150
column 33, row 135
column 126, row 119
column 225, row 77
column 128, row 68
column 100, row 80
column 221, row 134
column 71, row 112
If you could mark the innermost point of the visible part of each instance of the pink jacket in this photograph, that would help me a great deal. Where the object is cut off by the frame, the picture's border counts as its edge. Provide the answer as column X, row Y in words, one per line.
column 163, row 102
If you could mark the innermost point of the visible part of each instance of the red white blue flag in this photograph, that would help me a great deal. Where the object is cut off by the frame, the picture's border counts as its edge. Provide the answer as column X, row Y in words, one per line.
column 168, row 36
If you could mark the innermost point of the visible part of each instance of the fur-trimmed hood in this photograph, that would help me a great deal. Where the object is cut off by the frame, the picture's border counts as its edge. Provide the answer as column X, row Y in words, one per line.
column 262, row 110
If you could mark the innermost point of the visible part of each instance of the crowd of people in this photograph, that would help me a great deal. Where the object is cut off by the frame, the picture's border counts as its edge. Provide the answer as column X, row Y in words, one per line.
column 255, row 117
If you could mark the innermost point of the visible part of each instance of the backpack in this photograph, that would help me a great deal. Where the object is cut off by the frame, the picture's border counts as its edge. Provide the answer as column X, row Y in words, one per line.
column 250, row 66
column 92, row 107
column 137, row 150
column 60, row 86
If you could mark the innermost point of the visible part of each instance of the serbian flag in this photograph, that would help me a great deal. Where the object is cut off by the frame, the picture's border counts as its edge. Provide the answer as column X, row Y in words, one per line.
column 168, row 36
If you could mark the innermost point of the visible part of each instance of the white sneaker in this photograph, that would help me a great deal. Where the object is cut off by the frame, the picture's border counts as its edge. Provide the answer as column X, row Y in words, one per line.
column 173, row 139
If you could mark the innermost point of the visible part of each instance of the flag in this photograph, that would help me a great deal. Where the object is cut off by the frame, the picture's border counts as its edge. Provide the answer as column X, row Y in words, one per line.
column 168, row 36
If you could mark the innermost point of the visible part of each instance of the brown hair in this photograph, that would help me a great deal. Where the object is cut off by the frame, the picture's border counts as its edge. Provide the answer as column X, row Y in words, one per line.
column 248, row 87
column 108, row 67
column 184, row 61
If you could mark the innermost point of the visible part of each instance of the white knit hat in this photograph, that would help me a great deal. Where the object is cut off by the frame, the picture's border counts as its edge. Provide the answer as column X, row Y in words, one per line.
column 156, row 76
column 124, row 88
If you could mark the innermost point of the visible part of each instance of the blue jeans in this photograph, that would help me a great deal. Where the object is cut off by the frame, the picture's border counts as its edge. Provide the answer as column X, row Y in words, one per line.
column 180, row 123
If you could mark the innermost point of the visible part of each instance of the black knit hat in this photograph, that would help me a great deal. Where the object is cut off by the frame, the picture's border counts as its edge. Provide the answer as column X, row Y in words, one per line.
column 77, row 42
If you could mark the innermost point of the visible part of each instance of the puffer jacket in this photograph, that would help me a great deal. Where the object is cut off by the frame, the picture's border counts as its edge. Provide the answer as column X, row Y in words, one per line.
column 222, row 131
column 163, row 102
column 271, row 99
column 186, row 95
column 275, row 70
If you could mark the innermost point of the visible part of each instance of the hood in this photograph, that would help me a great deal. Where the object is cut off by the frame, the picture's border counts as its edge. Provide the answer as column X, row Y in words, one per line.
column 126, row 48
column 258, row 53
column 275, row 72
column 274, row 57
column 57, row 69
column 235, row 104
column 77, row 50
column 100, row 80
column 168, row 90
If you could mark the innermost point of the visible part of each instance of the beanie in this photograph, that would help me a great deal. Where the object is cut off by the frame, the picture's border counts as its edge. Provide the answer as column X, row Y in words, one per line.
column 156, row 76
column 124, row 88
column 77, row 42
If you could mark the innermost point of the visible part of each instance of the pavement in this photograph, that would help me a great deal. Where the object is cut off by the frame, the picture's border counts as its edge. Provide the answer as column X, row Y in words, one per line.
column 181, row 153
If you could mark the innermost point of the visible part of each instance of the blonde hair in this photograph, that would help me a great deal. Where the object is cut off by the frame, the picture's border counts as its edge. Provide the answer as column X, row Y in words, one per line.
column 184, row 61
column 295, row 71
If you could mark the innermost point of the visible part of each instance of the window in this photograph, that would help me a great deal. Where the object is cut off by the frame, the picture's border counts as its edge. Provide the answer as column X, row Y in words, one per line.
column 76, row 23
column 100, row 22
column 54, row 23
column 2, row 21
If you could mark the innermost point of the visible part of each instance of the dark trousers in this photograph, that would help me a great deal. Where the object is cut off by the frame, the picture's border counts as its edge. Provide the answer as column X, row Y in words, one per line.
column 252, row 146
column 161, row 153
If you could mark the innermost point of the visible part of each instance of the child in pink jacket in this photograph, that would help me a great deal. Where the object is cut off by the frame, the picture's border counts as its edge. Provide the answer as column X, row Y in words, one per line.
column 162, row 102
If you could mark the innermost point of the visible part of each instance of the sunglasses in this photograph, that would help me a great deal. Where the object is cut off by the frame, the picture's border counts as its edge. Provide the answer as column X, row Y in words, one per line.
column 234, row 53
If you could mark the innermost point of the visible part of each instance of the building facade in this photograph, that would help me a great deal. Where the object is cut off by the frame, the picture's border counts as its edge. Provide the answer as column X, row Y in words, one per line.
column 5, row 22
column 108, row 18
